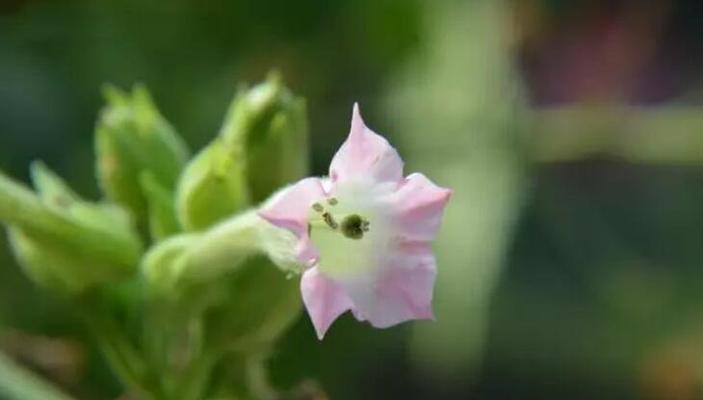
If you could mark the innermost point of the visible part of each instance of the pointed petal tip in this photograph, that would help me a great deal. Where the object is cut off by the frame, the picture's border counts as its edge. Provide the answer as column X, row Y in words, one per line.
column 320, row 327
column 265, row 216
column 447, row 194
column 357, row 125
column 320, row 333
column 324, row 300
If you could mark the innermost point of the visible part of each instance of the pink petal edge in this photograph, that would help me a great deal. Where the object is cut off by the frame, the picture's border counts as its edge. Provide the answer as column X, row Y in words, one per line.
column 324, row 299
column 418, row 205
column 289, row 210
column 403, row 293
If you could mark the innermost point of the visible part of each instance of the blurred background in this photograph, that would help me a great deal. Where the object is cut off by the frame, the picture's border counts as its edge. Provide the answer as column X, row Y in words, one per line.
column 571, row 132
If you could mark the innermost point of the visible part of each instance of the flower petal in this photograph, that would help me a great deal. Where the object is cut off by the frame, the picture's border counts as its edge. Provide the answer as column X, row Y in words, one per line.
column 289, row 209
column 416, row 207
column 404, row 291
column 366, row 155
column 324, row 299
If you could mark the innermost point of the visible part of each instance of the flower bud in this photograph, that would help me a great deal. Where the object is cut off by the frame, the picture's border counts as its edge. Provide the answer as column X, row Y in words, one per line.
column 212, row 186
column 262, row 145
column 131, row 138
column 190, row 260
column 162, row 266
column 221, row 272
column 63, row 242
column 271, row 124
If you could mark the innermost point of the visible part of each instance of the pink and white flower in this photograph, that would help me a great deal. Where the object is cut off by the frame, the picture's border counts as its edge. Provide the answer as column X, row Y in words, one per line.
column 363, row 234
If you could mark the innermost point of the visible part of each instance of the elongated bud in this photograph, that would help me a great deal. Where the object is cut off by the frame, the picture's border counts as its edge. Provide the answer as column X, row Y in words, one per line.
column 132, row 138
column 261, row 146
column 224, row 270
column 189, row 260
column 212, row 187
column 63, row 242
column 271, row 124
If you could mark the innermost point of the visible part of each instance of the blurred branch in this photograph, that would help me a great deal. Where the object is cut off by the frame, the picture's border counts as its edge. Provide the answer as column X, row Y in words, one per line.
column 22, row 207
column 20, row 384
column 666, row 135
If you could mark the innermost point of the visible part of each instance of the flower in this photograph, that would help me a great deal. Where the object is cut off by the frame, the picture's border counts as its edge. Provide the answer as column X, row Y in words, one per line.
column 363, row 234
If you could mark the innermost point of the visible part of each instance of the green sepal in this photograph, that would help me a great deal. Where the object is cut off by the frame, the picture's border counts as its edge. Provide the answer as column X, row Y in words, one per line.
column 162, row 210
column 62, row 241
column 131, row 138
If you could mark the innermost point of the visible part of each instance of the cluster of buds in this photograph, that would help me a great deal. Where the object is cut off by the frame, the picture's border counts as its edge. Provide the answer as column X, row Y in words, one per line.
column 216, row 239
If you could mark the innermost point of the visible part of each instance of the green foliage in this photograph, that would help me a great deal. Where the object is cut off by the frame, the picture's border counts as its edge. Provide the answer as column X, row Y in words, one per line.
column 261, row 146
column 195, row 298
column 64, row 242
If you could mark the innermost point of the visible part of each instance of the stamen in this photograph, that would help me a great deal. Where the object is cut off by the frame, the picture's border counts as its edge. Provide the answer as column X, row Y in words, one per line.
column 317, row 207
column 332, row 201
column 329, row 220
column 353, row 226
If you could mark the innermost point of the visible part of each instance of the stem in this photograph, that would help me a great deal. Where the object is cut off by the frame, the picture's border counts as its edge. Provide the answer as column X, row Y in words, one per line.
column 662, row 135
column 120, row 354
column 199, row 375
column 20, row 384
column 258, row 380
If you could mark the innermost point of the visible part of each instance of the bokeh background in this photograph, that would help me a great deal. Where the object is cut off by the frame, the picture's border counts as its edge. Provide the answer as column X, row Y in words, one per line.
column 571, row 131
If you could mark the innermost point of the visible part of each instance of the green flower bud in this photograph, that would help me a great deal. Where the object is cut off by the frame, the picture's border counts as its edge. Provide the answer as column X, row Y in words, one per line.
column 187, row 261
column 212, row 186
column 131, row 138
column 162, row 266
column 223, row 269
column 271, row 124
column 262, row 145
column 220, row 273
column 63, row 242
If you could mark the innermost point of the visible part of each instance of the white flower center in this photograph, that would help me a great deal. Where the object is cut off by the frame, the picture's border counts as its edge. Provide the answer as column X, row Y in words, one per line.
column 350, row 232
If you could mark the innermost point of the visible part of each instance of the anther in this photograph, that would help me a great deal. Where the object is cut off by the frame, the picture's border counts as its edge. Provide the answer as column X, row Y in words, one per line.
column 329, row 220
column 332, row 201
column 317, row 207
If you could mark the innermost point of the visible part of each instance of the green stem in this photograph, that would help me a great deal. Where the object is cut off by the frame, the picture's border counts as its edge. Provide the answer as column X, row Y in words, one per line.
column 18, row 383
column 120, row 354
column 662, row 135
column 123, row 361
column 257, row 378
column 195, row 382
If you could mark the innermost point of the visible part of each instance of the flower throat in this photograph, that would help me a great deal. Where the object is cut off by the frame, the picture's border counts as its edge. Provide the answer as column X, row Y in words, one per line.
column 352, row 226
